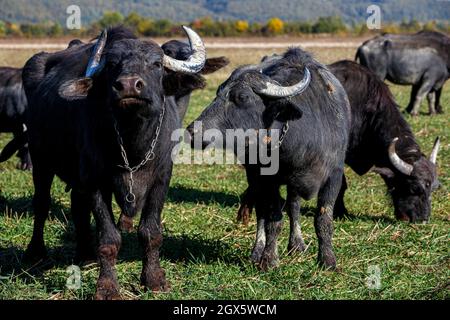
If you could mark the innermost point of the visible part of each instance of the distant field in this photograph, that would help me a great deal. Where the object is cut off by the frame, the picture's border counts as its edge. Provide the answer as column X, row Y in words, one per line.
column 205, row 253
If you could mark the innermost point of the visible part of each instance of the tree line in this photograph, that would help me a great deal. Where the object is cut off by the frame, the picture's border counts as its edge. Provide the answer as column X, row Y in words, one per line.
column 214, row 28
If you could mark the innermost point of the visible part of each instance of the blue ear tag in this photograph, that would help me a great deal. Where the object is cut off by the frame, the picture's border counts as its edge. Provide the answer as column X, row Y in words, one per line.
column 95, row 62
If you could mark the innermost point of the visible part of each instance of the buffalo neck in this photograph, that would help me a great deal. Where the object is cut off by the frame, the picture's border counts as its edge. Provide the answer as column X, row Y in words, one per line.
column 136, row 133
column 390, row 125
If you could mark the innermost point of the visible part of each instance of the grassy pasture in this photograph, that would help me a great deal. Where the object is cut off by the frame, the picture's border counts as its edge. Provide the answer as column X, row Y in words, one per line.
column 205, row 253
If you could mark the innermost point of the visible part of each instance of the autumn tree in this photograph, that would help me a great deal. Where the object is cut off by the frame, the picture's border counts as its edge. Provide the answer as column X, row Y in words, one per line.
column 275, row 26
column 241, row 26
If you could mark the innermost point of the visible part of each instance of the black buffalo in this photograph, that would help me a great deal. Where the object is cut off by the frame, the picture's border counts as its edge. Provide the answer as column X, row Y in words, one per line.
column 314, row 114
column 13, row 104
column 421, row 60
column 108, row 111
column 381, row 138
column 184, row 85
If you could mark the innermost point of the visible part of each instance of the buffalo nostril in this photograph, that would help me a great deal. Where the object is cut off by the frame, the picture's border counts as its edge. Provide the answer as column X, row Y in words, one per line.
column 139, row 85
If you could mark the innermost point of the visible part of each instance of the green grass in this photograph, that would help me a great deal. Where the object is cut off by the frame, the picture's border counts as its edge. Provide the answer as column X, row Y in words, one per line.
column 205, row 253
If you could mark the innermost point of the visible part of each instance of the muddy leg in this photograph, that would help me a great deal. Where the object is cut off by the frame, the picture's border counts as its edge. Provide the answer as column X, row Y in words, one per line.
column 246, row 208
column 108, row 247
column 150, row 235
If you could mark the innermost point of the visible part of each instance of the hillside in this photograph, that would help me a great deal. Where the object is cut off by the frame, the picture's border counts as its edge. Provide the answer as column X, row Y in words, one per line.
column 23, row 11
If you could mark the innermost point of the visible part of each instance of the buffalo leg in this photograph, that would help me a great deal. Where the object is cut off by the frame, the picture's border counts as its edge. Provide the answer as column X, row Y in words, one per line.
column 81, row 215
column 42, row 180
column 340, row 211
column 260, row 241
column 150, row 235
column 438, row 101
column 108, row 247
column 431, row 97
column 296, row 242
column 425, row 87
column 412, row 98
column 272, row 224
column 246, row 207
column 323, row 220
column 248, row 197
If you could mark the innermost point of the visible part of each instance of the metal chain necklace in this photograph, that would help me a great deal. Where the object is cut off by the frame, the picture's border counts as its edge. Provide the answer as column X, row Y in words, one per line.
column 149, row 156
column 284, row 131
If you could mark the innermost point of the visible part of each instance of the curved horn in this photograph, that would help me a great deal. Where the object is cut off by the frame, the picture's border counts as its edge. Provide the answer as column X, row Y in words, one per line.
column 196, row 61
column 397, row 162
column 434, row 152
column 275, row 90
column 94, row 62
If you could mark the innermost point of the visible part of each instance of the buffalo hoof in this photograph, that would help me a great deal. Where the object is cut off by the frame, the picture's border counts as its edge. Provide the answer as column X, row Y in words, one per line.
column 327, row 260
column 439, row 109
column 107, row 289
column 35, row 253
column 244, row 214
column 268, row 262
column 155, row 281
column 125, row 224
column 296, row 246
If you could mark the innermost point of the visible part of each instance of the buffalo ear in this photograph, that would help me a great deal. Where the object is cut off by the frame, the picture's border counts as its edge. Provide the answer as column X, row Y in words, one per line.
column 214, row 64
column 75, row 89
column 386, row 173
column 180, row 84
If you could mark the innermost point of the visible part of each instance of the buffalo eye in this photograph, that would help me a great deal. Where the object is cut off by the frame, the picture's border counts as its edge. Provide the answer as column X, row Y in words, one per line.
column 157, row 64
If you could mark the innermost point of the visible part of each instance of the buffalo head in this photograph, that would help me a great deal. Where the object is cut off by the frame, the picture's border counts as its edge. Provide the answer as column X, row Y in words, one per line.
column 411, row 185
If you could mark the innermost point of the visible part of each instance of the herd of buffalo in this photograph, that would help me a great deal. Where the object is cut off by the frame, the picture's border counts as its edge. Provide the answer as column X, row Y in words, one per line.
column 108, row 108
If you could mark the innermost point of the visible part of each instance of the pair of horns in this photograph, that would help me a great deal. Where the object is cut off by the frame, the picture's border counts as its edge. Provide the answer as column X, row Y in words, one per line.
column 402, row 165
column 194, row 64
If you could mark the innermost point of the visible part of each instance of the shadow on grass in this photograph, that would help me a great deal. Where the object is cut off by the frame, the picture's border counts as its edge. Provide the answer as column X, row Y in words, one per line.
column 179, row 194
column 180, row 249
column 23, row 206
column 184, row 249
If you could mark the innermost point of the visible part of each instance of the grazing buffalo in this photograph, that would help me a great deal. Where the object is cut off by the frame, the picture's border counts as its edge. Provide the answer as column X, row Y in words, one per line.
column 301, row 96
column 107, row 110
column 421, row 60
column 13, row 104
column 379, row 137
column 183, row 89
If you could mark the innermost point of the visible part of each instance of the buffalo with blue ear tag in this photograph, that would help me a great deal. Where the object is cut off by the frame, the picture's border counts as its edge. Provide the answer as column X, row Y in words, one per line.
column 108, row 109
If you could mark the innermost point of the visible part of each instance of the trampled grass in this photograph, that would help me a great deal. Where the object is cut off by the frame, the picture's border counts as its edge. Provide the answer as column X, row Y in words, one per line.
column 205, row 253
